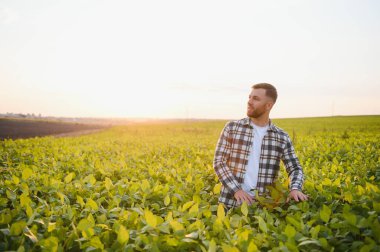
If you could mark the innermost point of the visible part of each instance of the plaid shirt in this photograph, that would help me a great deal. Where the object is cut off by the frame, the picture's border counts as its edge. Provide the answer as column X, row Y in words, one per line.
column 231, row 159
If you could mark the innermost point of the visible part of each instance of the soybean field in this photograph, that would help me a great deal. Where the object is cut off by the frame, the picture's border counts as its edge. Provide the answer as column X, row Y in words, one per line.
column 152, row 187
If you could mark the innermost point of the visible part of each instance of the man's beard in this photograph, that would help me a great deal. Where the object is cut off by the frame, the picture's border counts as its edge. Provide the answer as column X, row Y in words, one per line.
column 255, row 113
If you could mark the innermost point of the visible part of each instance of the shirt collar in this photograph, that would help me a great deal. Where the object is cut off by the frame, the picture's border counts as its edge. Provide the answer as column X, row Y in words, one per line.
column 248, row 121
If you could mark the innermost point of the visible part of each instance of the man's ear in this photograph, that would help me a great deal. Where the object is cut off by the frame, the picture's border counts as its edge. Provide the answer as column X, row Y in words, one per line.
column 269, row 105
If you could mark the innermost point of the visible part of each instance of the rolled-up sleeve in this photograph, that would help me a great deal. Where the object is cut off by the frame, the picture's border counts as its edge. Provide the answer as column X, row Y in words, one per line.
column 293, row 167
column 222, row 153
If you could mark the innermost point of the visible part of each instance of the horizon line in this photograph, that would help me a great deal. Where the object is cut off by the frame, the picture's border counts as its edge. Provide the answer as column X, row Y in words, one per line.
column 4, row 116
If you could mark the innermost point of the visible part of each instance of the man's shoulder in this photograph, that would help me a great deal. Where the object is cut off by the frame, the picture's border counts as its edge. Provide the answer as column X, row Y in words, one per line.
column 238, row 123
column 279, row 131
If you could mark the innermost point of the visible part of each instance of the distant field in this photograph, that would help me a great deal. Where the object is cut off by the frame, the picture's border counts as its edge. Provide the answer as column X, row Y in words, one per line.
column 152, row 187
column 20, row 128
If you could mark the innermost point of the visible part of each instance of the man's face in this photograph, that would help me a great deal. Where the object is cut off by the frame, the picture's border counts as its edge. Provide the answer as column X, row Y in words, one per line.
column 258, row 103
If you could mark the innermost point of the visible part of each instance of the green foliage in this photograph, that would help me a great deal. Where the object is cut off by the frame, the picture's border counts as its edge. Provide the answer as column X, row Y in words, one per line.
column 152, row 187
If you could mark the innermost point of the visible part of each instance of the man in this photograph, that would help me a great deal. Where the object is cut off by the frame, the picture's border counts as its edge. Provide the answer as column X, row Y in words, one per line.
column 248, row 153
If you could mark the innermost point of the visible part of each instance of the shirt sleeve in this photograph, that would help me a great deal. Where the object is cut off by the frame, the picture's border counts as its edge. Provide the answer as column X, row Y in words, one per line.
column 222, row 152
column 293, row 167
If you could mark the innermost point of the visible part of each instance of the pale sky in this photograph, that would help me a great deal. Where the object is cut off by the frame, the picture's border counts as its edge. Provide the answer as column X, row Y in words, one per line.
column 188, row 59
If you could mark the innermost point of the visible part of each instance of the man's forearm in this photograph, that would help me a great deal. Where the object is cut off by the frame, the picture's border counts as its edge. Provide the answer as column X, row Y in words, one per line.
column 293, row 167
column 225, row 176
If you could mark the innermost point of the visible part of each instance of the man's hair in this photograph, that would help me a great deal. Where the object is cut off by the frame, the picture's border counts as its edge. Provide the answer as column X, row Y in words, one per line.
column 270, row 90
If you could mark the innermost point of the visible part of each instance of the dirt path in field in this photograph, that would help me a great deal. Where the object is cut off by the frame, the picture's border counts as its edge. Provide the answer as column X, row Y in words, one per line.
column 22, row 128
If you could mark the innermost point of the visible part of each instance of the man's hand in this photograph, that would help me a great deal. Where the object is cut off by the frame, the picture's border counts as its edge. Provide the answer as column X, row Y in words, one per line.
column 297, row 196
column 242, row 196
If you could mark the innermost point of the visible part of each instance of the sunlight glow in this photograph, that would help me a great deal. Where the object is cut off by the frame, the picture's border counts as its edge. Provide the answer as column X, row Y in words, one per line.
column 197, row 59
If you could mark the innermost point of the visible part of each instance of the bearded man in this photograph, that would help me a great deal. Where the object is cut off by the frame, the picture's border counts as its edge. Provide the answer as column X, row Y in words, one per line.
column 249, row 151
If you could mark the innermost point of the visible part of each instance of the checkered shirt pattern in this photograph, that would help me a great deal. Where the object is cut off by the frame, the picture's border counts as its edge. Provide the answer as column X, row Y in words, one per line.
column 231, row 159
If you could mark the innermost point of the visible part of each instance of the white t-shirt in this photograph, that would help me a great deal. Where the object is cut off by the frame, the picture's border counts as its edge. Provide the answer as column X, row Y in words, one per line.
column 252, row 170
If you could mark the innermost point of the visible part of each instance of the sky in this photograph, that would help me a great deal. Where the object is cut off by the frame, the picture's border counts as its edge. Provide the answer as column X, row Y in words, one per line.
column 188, row 59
